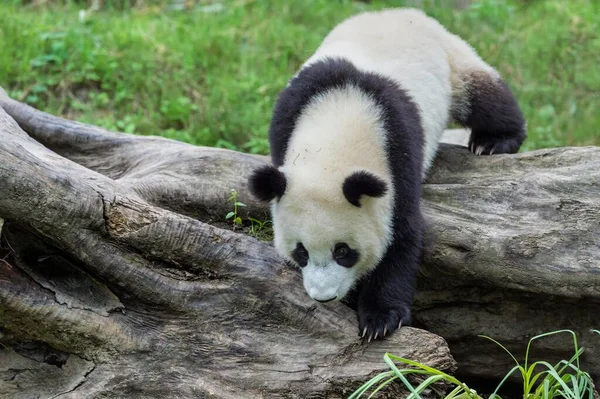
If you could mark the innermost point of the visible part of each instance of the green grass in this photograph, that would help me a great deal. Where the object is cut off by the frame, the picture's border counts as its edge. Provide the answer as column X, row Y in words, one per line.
column 211, row 78
column 541, row 380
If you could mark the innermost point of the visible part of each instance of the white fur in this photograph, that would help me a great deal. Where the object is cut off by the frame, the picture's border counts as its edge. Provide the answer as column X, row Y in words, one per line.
column 313, row 210
column 416, row 51
column 341, row 131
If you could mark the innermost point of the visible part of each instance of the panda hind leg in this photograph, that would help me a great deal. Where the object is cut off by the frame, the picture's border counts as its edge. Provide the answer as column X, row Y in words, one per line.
column 489, row 108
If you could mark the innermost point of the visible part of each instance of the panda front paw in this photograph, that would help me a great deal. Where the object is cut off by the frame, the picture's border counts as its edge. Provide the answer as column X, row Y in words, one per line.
column 376, row 323
column 490, row 146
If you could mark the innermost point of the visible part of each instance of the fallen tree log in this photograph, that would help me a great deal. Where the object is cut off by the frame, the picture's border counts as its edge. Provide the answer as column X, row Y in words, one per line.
column 121, row 279
column 114, row 284
column 514, row 252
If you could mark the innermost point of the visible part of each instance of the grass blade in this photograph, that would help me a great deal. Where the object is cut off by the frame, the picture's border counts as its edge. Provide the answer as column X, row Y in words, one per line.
column 549, row 334
column 383, row 385
column 426, row 368
column 422, row 386
column 495, row 393
column 390, row 363
column 367, row 385
column 502, row 346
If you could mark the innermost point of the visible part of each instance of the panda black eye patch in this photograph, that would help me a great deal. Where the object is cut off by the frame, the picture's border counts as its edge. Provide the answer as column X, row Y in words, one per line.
column 344, row 255
column 300, row 255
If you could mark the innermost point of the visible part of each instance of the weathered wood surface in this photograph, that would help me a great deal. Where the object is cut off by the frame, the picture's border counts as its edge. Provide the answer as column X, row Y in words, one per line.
column 113, row 284
column 117, row 264
column 514, row 252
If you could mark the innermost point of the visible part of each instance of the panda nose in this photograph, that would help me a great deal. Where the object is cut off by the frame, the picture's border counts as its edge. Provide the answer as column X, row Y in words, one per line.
column 325, row 300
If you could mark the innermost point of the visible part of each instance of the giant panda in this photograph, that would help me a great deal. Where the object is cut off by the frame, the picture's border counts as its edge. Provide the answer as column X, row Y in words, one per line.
column 352, row 137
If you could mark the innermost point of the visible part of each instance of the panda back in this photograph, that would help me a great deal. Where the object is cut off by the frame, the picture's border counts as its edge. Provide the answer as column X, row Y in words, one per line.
column 408, row 47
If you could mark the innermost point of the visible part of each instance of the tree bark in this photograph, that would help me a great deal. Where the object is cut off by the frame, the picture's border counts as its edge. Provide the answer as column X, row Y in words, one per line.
column 120, row 277
column 514, row 251
column 113, row 282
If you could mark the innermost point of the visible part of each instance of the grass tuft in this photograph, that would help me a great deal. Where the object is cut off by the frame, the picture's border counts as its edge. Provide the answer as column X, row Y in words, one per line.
column 541, row 380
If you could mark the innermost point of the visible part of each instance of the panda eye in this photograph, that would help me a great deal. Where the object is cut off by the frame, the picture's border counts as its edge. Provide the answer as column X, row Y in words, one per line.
column 300, row 255
column 344, row 255
column 341, row 252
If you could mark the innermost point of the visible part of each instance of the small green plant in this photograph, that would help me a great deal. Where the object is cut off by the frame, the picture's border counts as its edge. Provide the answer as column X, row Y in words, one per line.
column 541, row 380
column 562, row 380
column 260, row 229
column 237, row 220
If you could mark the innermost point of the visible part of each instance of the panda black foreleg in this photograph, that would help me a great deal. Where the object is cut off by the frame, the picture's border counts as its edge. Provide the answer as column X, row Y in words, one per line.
column 385, row 297
column 491, row 111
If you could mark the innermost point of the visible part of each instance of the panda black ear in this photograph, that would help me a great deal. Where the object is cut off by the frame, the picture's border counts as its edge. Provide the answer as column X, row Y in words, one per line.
column 363, row 183
column 267, row 183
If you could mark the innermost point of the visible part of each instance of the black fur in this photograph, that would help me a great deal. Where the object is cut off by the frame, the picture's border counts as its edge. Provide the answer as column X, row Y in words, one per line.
column 384, row 298
column 363, row 183
column 496, row 121
column 350, row 257
column 267, row 183
column 300, row 255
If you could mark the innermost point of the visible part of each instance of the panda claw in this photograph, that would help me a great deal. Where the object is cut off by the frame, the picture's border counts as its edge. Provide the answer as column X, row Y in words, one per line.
column 380, row 324
column 479, row 150
column 364, row 332
column 492, row 151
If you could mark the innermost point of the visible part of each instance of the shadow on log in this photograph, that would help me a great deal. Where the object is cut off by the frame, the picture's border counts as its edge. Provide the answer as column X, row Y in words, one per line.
column 119, row 279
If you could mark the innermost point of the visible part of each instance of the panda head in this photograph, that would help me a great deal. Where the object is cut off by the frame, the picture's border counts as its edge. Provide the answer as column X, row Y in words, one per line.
column 336, row 228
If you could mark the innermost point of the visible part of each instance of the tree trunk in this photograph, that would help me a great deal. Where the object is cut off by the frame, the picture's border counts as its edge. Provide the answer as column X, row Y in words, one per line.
column 120, row 278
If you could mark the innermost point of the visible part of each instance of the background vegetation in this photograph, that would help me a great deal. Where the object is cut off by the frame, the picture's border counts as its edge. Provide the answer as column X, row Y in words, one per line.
column 208, row 72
